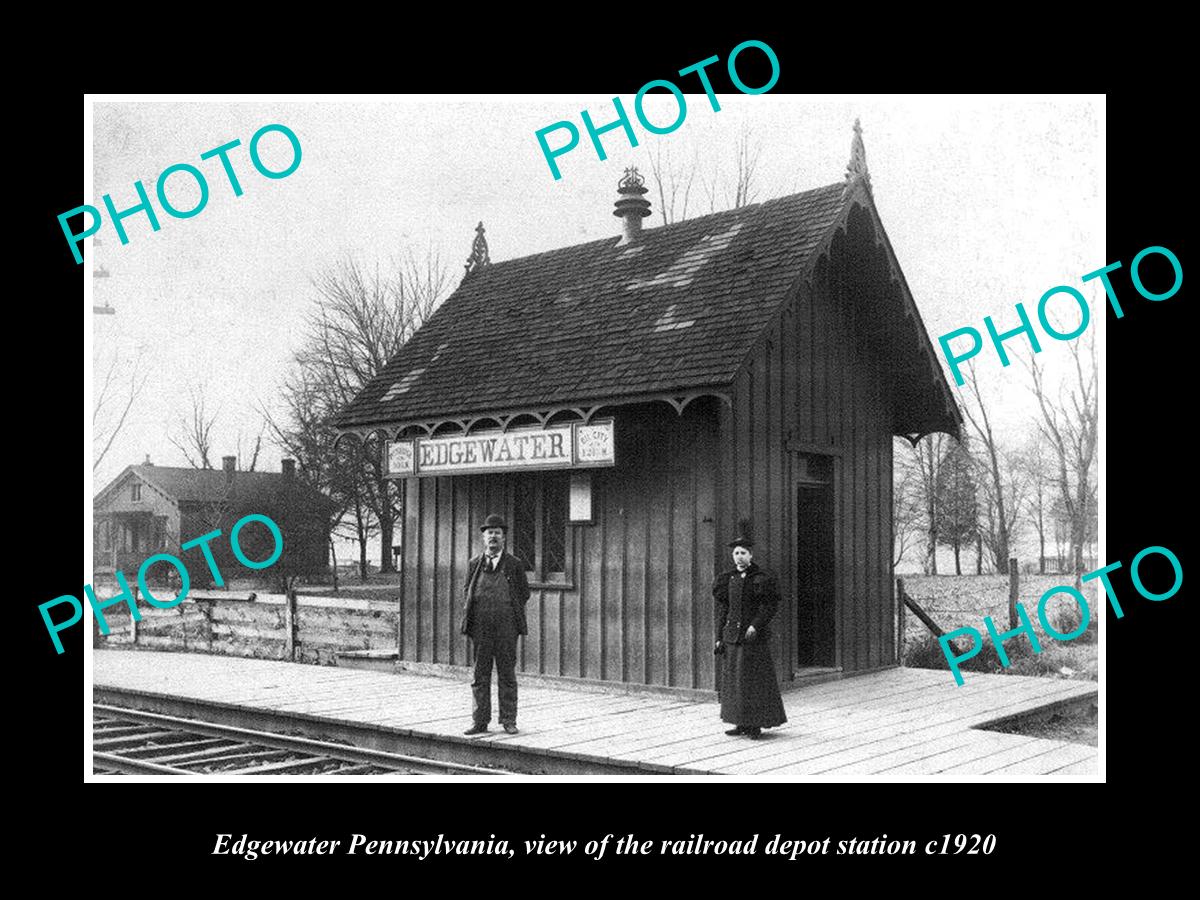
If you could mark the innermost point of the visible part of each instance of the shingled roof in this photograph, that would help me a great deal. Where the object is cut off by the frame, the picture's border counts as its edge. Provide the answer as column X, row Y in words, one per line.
column 678, row 309
column 185, row 485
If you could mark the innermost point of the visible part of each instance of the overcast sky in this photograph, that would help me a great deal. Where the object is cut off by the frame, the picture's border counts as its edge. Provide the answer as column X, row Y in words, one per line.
column 986, row 202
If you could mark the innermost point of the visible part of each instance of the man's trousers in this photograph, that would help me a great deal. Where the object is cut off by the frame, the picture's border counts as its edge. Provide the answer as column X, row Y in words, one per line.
column 498, row 646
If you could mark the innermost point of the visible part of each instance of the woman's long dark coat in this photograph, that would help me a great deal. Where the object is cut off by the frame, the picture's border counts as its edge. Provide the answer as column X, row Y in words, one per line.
column 749, row 691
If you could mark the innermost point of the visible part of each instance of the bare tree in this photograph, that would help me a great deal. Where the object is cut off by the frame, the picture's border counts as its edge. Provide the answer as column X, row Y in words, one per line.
column 746, row 169
column 999, row 479
column 360, row 322
column 1069, row 423
column 301, row 430
column 957, row 508
column 362, row 527
column 927, row 455
column 906, row 506
column 999, row 534
column 725, row 185
column 104, row 429
column 673, row 182
column 254, row 454
column 1039, row 478
column 196, row 441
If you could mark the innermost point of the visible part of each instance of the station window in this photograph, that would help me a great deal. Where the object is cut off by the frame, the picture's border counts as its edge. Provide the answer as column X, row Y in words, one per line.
column 540, row 524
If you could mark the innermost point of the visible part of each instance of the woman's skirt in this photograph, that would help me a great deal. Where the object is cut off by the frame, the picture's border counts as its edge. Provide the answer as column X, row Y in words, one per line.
column 749, row 692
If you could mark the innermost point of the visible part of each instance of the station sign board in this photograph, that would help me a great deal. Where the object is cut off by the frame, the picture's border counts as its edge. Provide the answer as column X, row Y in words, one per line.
column 574, row 445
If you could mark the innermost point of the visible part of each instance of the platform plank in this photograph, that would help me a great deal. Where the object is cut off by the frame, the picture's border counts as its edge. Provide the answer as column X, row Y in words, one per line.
column 1043, row 763
column 1086, row 766
column 897, row 723
column 867, row 743
column 911, row 720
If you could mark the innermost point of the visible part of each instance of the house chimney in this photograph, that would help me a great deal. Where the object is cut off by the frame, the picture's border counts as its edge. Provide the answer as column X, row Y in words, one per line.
column 147, row 462
column 630, row 206
column 229, row 464
column 289, row 469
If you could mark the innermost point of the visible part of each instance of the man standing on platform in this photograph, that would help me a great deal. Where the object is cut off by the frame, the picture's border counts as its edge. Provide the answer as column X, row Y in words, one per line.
column 496, row 593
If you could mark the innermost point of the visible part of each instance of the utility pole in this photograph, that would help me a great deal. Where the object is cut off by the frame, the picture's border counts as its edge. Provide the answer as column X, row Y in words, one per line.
column 102, row 272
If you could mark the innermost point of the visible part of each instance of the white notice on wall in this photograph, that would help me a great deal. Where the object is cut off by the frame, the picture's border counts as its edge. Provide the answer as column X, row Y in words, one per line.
column 581, row 496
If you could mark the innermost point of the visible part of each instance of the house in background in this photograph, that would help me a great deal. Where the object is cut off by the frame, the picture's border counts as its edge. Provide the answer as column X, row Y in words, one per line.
column 150, row 509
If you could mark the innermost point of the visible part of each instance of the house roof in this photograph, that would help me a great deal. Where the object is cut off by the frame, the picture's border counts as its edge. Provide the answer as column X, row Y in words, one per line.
column 185, row 485
column 678, row 309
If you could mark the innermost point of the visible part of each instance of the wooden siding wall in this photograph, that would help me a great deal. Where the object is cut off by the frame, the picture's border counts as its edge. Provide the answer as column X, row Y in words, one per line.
column 814, row 383
column 639, row 605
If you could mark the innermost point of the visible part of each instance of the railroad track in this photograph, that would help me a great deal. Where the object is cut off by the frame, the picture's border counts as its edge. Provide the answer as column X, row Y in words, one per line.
column 129, row 742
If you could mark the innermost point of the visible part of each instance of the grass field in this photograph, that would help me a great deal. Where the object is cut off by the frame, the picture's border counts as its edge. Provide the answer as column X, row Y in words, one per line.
column 962, row 601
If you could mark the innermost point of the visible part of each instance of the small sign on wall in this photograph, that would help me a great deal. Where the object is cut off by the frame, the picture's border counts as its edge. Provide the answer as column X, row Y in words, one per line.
column 581, row 499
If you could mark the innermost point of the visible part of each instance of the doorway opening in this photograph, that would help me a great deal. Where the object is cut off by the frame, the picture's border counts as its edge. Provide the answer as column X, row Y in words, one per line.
column 815, row 569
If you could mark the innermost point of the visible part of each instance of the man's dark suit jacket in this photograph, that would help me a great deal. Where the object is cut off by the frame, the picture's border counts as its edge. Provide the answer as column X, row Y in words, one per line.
column 518, row 590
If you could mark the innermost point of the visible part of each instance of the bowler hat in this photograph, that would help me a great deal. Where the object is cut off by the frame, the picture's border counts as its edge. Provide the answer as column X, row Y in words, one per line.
column 742, row 542
column 494, row 521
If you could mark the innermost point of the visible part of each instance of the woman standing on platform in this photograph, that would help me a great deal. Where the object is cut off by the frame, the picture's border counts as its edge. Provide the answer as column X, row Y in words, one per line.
column 746, row 599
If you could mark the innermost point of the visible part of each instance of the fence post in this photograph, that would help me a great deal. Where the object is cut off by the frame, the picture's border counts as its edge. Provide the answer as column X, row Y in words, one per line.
column 133, row 623
column 207, row 607
column 902, row 626
column 1013, row 589
column 912, row 604
column 289, row 623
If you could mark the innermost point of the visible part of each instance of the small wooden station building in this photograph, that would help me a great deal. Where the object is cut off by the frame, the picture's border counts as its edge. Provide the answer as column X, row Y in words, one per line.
column 627, row 403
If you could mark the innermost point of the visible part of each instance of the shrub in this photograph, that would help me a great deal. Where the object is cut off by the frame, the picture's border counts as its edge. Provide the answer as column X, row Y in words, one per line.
column 926, row 653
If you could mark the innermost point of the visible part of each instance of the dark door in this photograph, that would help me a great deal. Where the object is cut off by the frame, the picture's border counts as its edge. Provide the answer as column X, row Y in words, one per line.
column 814, row 577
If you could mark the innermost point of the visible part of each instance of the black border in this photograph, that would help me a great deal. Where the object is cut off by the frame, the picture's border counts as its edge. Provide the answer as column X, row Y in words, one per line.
column 169, row 833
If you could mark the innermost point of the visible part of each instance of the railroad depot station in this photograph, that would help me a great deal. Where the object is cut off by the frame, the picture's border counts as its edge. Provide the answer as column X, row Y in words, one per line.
column 629, row 405
column 635, row 402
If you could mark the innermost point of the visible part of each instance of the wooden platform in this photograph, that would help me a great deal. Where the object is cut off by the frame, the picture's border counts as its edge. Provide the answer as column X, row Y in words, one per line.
column 895, row 723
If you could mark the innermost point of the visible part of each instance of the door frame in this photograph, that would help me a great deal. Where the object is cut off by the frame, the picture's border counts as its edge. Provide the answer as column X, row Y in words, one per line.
column 816, row 472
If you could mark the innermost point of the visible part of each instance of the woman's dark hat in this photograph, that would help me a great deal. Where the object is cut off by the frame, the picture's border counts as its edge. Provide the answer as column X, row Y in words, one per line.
column 494, row 521
column 745, row 535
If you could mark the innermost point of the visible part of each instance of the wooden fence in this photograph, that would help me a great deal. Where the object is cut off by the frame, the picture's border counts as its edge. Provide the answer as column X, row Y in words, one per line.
column 265, row 626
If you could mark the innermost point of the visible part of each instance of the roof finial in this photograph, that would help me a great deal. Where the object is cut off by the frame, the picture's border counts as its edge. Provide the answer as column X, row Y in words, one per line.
column 856, row 169
column 631, row 179
column 479, row 252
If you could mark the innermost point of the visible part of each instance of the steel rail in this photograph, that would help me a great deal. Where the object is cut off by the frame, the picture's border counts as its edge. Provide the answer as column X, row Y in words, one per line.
column 133, row 766
column 341, row 752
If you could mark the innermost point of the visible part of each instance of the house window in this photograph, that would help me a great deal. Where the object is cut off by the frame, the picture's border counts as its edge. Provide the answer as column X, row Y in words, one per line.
column 539, row 523
column 135, row 492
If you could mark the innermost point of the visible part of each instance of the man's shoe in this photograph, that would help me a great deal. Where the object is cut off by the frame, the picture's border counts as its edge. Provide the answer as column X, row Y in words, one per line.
column 510, row 729
column 476, row 729
column 734, row 732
